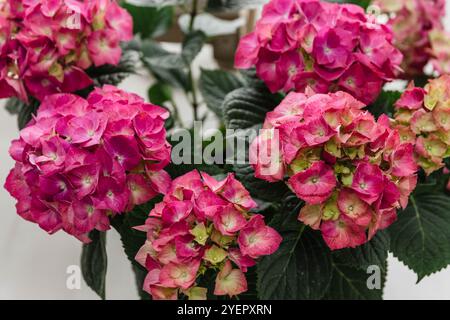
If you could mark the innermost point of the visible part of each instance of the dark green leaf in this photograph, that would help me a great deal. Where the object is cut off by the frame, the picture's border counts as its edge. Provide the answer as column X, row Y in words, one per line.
column 167, row 61
column 132, row 240
column 26, row 112
column 157, row 3
column 246, row 107
column 374, row 252
column 192, row 45
column 159, row 93
column 150, row 22
column 350, row 283
column 361, row 3
column 94, row 262
column 420, row 237
column 13, row 105
column 175, row 77
column 384, row 103
column 299, row 269
column 215, row 85
column 232, row 5
column 259, row 188
column 109, row 74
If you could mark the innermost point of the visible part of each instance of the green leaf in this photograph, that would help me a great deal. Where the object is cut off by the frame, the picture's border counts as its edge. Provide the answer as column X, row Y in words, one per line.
column 109, row 74
column 350, row 283
column 361, row 3
column 215, row 85
column 299, row 269
column 246, row 107
column 420, row 237
column 159, row 93
column 175, row 77
column 232, row 5
column 192, row 45
column 132, row 240
column 94, row 262
column 384, row 103
column 374, row 252
column 13, row 105
column 150, row 22
column 26, row 112
column 259, row 188
column 168, row 60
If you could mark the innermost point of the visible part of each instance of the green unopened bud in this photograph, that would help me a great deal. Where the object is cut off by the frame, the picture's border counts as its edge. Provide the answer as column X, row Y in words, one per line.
column 330, row 210
column 56, row 70
column 215, row 255
column 200, row 233
column 196, row 293
column 347, row 179
column 333, row 148
column 220, row 239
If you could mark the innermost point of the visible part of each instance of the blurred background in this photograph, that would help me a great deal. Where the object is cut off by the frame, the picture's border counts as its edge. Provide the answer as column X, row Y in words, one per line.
column 33, row 265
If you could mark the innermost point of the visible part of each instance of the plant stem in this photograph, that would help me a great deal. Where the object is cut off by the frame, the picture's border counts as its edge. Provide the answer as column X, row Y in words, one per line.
column 191, row 77
column 193, row 14
column 176, row 113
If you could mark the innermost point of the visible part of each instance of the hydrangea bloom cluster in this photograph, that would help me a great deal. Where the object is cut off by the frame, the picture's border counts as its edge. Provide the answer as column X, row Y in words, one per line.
column 411, row 22
column 202, row 225
column 79, row 161
column 326, row 46
column 352, row 172
column 440, row 49
column 45, row 45
column 423, row 118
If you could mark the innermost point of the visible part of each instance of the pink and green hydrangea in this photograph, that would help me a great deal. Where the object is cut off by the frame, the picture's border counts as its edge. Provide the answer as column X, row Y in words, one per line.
column 423, row 117
column 353, row 172
column 203, row 225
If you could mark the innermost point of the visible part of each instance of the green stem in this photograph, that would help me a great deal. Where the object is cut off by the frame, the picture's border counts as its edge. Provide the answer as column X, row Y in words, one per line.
column 194, row 94
column 195, row 103
column 176, row 113
column 193, row 14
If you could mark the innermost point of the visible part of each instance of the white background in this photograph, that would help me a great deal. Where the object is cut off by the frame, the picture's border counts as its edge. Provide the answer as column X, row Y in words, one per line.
column 33, row 264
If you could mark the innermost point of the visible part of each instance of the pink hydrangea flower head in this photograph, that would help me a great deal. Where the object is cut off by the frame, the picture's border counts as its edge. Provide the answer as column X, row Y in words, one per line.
column 346, row 166
column 325, row 46
column 46, row 47
column 203, row 224
column 77, row 163
column 423, row 115
column 413, row 22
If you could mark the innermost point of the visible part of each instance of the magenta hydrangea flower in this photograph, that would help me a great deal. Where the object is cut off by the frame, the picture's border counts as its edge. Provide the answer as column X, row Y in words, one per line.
column 423, row 118
column 80, row 161
column 203, row 224
column 46, row 45
column 412, row 22
column 326, row 46
column 352, row 171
